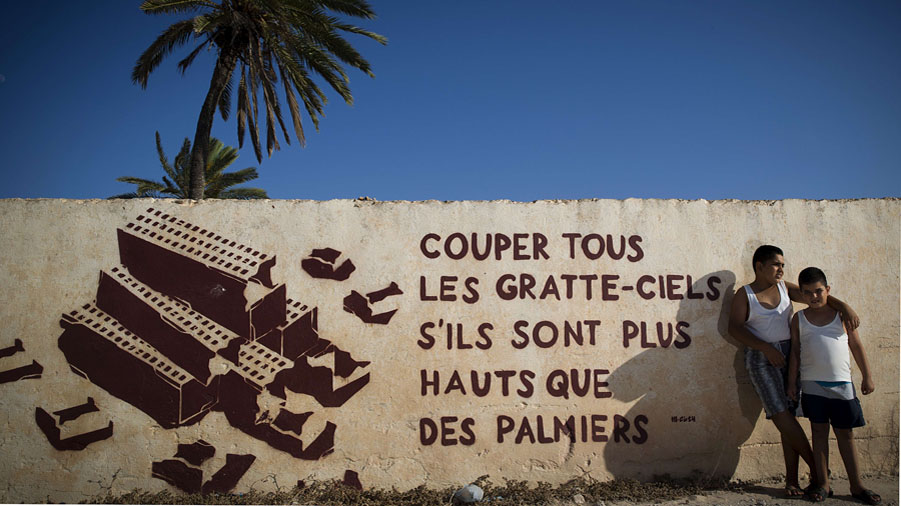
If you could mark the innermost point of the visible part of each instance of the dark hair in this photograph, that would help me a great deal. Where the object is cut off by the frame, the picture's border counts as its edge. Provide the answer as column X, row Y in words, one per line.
column 812, row 275
column 764, row 253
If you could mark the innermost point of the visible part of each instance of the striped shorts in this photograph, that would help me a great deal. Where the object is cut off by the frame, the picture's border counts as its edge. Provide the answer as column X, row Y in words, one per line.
column 769, row 381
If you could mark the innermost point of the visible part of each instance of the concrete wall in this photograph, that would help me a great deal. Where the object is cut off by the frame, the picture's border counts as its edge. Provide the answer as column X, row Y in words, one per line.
column 227, row 345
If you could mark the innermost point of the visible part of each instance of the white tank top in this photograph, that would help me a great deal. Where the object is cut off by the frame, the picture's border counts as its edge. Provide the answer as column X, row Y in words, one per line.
column 770, row 325
column 824, row 351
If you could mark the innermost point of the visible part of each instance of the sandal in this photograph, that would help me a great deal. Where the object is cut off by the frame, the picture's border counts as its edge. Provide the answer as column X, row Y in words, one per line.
column 793, row 491
column 867, row 497
column 818, row 494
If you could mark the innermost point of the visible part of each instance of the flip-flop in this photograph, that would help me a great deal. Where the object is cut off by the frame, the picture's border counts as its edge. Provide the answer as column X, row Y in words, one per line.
column 818, row 494
column 868, row 497
column 792, row 491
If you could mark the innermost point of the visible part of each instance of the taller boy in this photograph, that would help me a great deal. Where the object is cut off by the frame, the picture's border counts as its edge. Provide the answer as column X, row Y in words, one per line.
column 760, row 318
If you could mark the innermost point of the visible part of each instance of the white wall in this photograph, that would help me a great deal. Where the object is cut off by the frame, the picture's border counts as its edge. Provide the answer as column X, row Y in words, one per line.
column 651, row 405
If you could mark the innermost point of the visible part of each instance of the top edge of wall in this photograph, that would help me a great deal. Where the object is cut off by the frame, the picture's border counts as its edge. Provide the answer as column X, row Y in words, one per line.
column 189, row 202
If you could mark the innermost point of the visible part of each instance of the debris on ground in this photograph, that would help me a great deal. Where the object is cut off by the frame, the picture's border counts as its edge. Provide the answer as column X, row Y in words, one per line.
column 469, row 494
column 584, row 491
column 512, row 493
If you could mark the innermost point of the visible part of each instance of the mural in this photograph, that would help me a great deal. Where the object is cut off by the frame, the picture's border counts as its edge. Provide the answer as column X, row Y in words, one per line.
column 52, row 427
column 192, row 322
column 361, row 306
column 391, row 342
column 29, row 371
column 184, row 472
column 321, row 264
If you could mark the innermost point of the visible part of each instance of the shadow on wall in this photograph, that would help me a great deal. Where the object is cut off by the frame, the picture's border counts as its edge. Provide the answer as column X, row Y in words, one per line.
column 697, row 407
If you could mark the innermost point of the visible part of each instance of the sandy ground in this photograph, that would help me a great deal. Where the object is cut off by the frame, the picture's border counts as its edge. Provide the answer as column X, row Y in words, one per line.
column 772, row 494
column 767, row 493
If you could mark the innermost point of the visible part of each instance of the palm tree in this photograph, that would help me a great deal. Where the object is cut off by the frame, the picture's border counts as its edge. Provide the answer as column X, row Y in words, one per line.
column 291, row 40
column 218, row 182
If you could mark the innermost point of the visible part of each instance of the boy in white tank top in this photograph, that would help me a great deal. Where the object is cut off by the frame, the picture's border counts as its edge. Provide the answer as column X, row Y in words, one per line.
column 760, row 318
column 820, row 351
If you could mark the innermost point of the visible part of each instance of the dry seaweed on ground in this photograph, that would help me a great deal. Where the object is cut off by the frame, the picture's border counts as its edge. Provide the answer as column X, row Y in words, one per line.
column 661, row 489
column 511, row 493
column 320, row 493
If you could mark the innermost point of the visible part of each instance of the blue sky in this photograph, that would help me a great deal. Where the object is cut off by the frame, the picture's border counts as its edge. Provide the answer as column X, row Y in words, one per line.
column 496, row 99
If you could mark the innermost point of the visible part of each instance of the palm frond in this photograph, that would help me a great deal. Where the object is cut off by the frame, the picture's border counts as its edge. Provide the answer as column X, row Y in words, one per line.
column 142, row 183
column 145, row 187
column 182, row 175
column 354, row 8
column 313, row 100
column 220, row 157
column 272, row 98
column 252, row 122
column 174, row 6
column 242, row 107
column 270, row 102
column 319, row 61
column 294, row 108
column 203, row 23
column 227, row 179
column 295, row 77
column 244, row 193
column 150, row 59
column 225, row 100
column 131, row 195
column 325, row 36
column 381, row 39
column 164, row 161
column 174, row 190
column 186, row 61
column 178, row 173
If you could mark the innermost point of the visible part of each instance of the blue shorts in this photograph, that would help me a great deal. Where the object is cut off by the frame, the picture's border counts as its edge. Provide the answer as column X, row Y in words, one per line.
column 842, row 413
column 771, row 382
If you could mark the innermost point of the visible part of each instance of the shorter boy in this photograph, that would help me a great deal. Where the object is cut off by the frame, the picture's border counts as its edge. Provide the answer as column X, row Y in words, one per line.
column 820, row 345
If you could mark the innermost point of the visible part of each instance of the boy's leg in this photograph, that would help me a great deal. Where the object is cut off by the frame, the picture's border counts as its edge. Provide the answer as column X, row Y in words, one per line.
column 794, row 445
column 769, row 383
column 848, row 451
column 792, row 483
column 820, row 434
column 793, row 434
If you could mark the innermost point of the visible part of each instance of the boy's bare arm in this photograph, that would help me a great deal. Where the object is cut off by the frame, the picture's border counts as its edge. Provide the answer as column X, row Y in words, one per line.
column 738, row 315
column 849, row 316
column 794, row 361
column 867, row 386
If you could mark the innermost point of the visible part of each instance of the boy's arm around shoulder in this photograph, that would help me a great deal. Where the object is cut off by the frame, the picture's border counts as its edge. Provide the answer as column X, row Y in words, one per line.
column 849, row 316
column 867, row 386
column 794, row 361
column 738, row 315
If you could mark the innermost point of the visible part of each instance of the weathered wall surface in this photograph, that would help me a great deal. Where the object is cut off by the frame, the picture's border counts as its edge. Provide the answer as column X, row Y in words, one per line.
column 228, row 345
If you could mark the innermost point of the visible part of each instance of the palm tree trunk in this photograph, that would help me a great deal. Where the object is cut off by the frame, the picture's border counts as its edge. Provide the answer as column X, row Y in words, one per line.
column 225, row 65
